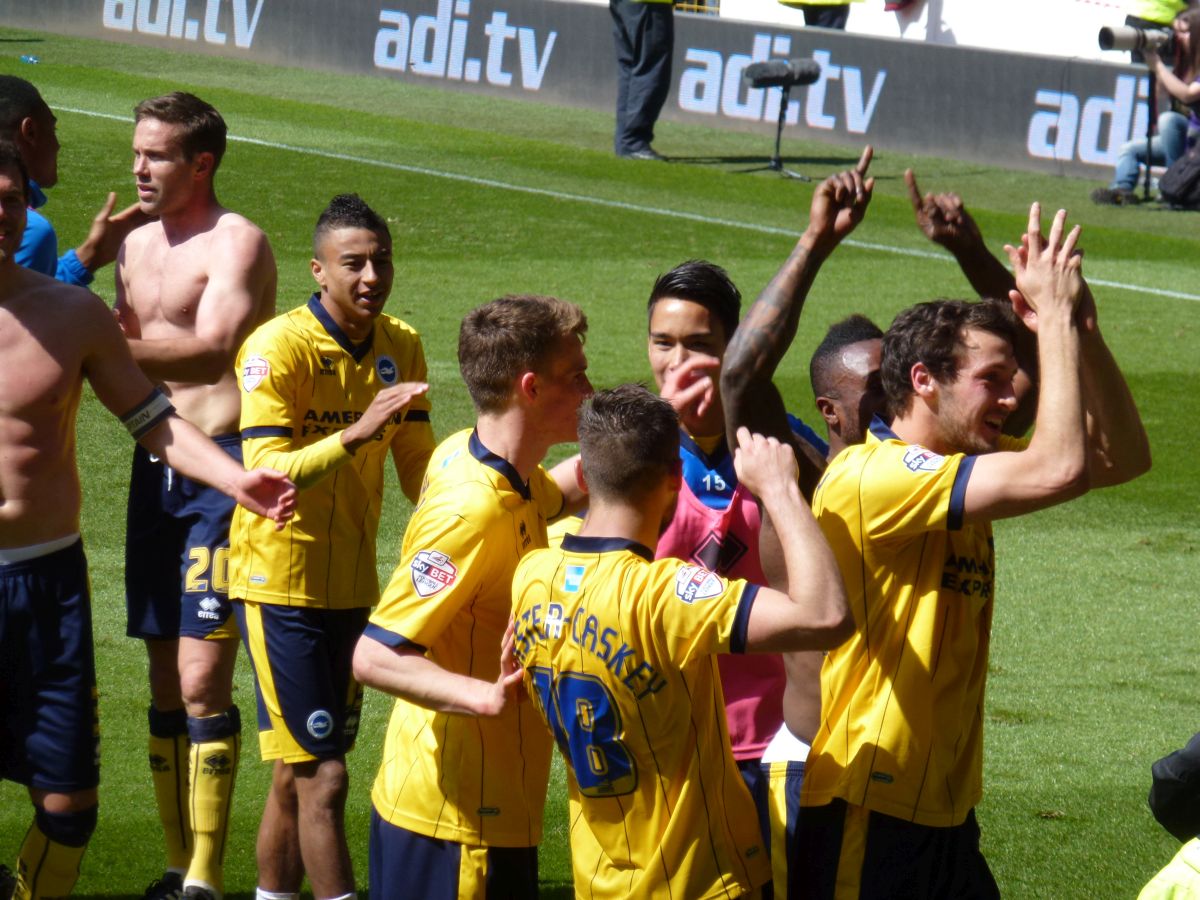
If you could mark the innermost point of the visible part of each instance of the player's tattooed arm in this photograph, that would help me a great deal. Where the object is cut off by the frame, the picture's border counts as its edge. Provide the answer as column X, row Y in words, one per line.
column 766, row 333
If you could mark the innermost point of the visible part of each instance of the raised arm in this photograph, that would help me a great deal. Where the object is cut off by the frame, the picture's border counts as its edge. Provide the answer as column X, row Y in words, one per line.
column 1054, row 467
column 944, row 220
column 240, row 294
column 107, row 232
column 1118, row 448
column 765, row 334
column 812, row 614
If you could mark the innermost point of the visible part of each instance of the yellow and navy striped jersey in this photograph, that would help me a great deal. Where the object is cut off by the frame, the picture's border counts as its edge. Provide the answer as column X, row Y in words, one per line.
column 303, row 382
column 620, row 657
column 902, row 700
column 452, row 777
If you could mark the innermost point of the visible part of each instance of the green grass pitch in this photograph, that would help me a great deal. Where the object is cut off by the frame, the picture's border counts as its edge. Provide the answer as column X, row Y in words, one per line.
column 1094, row 643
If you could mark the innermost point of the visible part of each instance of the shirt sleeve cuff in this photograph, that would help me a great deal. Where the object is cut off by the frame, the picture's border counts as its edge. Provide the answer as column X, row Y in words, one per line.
column 741, row 621
column 389, row 638
column 72, row 271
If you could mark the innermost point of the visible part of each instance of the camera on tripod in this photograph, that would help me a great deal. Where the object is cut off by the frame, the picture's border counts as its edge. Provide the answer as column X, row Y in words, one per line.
column 1133, row 38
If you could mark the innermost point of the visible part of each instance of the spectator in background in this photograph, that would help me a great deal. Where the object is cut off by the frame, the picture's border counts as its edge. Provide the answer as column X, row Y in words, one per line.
column 1177, row 127
column 26, row 121
column 644, row 35
column 823, row 13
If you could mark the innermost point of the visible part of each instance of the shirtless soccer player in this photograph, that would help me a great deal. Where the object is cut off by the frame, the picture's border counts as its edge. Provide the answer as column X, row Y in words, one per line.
column 53, row 336
column 329, row 390
column 457, row 805
column 190, row 286
column 620, row 652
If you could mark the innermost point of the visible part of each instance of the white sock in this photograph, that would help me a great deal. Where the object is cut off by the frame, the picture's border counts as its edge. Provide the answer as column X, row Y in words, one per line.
column 260, row 894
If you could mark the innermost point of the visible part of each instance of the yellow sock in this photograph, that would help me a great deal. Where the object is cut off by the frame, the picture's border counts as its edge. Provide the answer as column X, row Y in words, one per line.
column 169, row 771
column 216, row 747
column 48, row 868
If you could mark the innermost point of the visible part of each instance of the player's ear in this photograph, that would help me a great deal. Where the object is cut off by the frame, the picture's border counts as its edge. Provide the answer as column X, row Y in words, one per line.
column 676, row 475
column 27, row 130
column 318, row 271
column 828, row 411
column 527, row 386
column 203, row 162
column 923, row 381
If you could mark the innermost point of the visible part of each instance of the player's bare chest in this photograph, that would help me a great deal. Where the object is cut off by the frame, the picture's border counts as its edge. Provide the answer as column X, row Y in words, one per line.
column 34, row 379
column 165, row 283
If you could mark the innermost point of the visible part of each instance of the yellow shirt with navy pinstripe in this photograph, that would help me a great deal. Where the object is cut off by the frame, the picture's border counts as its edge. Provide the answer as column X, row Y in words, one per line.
column 620, row 656
column 303, row 382
column 478, row 781
column 902, row 700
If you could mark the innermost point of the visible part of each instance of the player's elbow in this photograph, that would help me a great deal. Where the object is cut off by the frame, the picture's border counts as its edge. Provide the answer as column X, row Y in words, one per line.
column 366, row 661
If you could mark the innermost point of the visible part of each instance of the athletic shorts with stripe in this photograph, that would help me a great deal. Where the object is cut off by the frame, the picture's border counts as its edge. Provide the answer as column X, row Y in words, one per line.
column 49, row 727
column 308, row 701
column 445, row 870
column 177, row 551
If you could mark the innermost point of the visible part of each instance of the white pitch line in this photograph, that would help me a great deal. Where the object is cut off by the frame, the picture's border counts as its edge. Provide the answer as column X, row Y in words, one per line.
column 614, row 204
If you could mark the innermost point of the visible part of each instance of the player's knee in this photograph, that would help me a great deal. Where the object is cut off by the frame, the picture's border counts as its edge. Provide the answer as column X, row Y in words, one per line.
column 71, row 829
column 321, row 785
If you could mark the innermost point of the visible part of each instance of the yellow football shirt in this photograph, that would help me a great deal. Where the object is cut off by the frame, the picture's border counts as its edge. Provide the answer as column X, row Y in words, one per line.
column 460, row 778
column 902, row 700
column 303, row 381
column 620, row 656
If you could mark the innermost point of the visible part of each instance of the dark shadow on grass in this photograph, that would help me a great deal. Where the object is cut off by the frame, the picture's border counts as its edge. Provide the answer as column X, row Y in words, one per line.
column 23, row 40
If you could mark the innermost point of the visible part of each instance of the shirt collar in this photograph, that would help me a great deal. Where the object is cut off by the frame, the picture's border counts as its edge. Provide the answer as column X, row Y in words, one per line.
column 358, row 351
column 37, row 197
column 499, row 463
column 575, row 543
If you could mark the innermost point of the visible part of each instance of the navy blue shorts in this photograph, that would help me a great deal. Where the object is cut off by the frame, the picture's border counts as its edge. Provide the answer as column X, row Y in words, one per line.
column 49, row 726
column 177, row 551
column 861, row 853
column 308, row 701
column 402, row 861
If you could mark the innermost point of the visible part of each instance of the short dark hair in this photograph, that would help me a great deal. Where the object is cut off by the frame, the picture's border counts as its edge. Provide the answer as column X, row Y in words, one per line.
column 705, row 283
column 499, row 341
column 18, row 100
column 932, row 333
column 10, row 158
column 204, row 130
column 628, row 441
column 348, row 211
column 851, row 330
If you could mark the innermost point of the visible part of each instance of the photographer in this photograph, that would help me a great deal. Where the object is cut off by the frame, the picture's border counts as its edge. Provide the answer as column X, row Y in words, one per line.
column 1177, row 127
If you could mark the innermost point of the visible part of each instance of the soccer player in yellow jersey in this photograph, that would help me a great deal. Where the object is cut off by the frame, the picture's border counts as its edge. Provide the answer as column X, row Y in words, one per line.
column 328, row 390
column 620, row 654
column 896, row 766
column 457, row 804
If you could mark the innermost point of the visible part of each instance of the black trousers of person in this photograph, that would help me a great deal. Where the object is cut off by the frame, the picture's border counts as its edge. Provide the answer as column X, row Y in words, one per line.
column 818, row 15
column 644, row 35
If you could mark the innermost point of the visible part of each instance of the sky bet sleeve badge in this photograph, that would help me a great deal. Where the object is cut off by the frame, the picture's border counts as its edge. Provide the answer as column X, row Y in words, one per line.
column 254, row 372
column 432, row 572
column 693, row 583
column 918, row 459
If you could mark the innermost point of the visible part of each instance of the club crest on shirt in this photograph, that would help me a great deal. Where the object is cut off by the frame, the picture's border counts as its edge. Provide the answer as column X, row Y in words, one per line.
column 386, row 367
column 693, row 583
column 254, row 372
column 432, row 572
column 918, row 459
